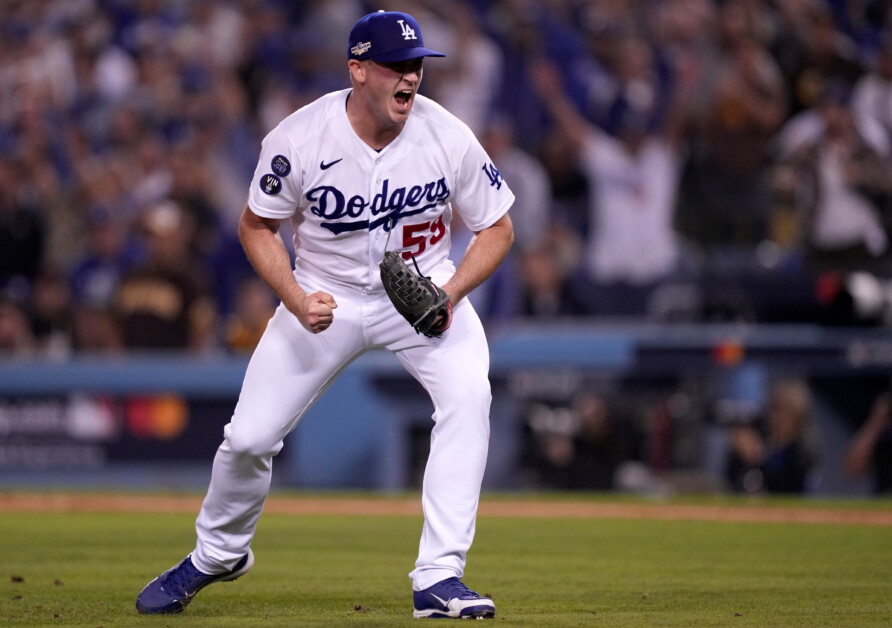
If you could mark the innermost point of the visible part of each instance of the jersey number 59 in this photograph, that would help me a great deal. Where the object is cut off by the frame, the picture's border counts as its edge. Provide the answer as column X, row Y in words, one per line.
column 416, row 237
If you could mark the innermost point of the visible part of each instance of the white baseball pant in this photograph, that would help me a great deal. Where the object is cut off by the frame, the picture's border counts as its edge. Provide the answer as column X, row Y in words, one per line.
column 292, row 367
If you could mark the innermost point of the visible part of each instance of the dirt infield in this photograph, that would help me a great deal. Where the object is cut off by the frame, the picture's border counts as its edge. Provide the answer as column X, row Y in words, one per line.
column 501, row 507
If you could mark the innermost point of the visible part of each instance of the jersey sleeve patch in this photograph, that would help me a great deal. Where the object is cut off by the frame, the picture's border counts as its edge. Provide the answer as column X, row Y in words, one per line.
column 270, row 184
column 281, row 166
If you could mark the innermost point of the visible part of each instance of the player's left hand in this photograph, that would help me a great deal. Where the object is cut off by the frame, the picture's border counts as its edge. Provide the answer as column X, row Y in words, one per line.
column 418, row 299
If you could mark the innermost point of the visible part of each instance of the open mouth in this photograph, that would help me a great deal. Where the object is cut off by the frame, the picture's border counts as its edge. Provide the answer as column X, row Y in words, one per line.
column 403, row 97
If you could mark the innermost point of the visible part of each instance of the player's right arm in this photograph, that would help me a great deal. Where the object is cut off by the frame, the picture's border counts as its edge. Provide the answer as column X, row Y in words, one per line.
column 266, row 251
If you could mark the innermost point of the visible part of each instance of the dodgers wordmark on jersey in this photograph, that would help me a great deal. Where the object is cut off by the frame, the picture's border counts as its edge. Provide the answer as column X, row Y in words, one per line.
column 348, row 203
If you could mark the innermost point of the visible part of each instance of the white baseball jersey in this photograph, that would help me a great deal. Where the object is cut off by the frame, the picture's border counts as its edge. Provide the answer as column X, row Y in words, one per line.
column 344, row 198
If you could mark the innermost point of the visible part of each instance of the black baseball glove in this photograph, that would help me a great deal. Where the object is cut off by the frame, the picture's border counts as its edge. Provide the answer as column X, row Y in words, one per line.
column 420, row 301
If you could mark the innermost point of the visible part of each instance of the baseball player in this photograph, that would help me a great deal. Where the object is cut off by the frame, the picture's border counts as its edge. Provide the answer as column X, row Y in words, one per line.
column 359, row 172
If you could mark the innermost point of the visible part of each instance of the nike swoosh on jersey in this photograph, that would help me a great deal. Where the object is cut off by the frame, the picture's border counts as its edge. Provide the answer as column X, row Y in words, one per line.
column 326, row 166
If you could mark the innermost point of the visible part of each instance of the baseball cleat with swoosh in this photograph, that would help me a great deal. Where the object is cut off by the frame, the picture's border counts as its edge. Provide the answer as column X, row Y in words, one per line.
column 451, row 598
column 172, row 591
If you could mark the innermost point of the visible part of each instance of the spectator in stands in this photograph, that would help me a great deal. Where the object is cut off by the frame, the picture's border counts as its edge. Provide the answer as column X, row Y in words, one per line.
column 163, row 303
column 22, row 229
column 109, row 254
column 500, row 297
column 219, row 138
column 544, row 275
column 255, row 303
column 96, row 330
column 641, row 83
column 683, row 27
column 833, row 181
column 871, row 448
column 96, row 279
column 741, row 102
column 569, row 187
column 469, row 83
column 872, row 94
column 605, row 440
column 528, row 178
column 50, row 312
column 815, row 52
column 524, row 31
column 775, row 453
column 120, row 104
column 16, row 339
column 595, row 80
column 580, row 447
column 633, row 179
column 219, row 28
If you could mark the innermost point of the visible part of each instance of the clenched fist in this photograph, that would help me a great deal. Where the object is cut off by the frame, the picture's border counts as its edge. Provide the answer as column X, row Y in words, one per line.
column 316, row 311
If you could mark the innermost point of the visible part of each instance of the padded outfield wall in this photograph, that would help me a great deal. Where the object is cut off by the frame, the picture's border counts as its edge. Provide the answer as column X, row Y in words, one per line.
column 156, row 419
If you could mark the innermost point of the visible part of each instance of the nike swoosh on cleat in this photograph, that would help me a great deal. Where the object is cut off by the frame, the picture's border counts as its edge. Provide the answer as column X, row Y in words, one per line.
column 440, row 600
column 326, row 166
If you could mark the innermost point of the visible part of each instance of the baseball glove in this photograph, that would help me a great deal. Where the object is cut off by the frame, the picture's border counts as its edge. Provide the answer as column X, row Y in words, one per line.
column 419, row 300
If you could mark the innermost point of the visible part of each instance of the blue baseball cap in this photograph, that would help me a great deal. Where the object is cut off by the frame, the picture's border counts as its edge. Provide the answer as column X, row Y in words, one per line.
column 387, row 37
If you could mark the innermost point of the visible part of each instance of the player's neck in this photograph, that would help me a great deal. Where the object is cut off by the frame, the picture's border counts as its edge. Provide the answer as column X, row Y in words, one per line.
column 368, row 127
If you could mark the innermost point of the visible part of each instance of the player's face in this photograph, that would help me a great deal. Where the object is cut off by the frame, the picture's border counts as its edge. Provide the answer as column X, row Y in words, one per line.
column 393, row 87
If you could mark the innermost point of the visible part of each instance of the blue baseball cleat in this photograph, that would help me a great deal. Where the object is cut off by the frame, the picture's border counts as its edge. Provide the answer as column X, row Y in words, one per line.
column 172, row 591
column 451, row 598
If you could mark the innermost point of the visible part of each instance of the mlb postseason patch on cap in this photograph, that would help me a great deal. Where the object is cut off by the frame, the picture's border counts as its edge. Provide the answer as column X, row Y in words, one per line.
column 270, row 184
column 361, row 48
column 281, row 166
column 387, row 37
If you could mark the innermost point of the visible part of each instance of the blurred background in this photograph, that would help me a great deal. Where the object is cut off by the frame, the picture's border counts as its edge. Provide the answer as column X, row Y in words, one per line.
column 699, row 298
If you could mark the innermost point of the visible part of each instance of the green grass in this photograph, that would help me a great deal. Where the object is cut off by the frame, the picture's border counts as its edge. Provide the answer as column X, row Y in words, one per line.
column 81, row 569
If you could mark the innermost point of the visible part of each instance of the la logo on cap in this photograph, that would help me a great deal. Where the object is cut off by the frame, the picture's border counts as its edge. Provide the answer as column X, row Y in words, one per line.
column 408, row 31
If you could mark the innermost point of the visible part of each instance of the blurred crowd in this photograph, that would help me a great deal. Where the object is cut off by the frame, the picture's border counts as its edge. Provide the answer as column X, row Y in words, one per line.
column 644, row 441
column 676, row 160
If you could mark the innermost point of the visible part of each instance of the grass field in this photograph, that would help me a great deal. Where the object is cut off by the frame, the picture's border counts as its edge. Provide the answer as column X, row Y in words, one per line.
column 62, row 568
